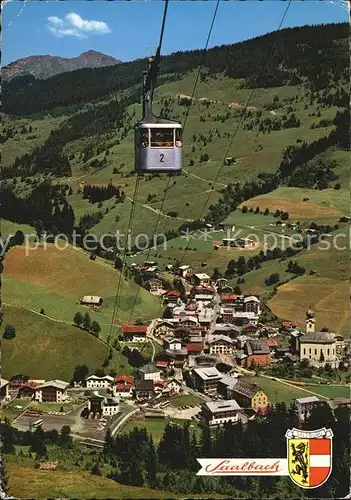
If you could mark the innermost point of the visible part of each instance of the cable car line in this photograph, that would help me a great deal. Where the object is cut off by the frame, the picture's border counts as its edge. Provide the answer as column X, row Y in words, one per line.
column 119, row 285
column 148, row 89
column 238, row 126
column 184, row 124
column 202, row 62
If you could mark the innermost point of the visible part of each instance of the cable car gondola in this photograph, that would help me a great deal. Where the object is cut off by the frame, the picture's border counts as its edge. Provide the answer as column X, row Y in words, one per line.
column 157, row 141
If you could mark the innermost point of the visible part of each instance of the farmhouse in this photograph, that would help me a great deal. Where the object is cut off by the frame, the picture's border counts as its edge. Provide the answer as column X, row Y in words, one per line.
column 252, row 304
column 123, row 386
column 220, row 412
column 150, row 372
column 156, row 286
column 173, row 297
column 144, row 389
column 91, row 300
column 95, row 382
column 229, row 299
column 229, row 330
column 226, row 226
column 202, row 279
column 195, row 348
column 135, row 333
column 244, row 317
column 28, row 390
column 237, row 242
column 206, row 379
column 163, row 328
column 95, row 405
column 53, row 391
column 248, row 395
column 162, row 363
column 257, row 352
column 188, row 321
column 176, row 357
column 110, row 406
column 17, row 380
column 304, row 406
column 173, row 387
column 172, row 343
column 184, row 270
column 221, row 344
column 204, row 298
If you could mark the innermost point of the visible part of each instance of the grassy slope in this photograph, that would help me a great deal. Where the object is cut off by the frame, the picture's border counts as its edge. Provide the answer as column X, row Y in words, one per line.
column 327, row 203
column 326, row 290
column 277, row 391
column 9, row 228
column 55, row 279
column 25, row 143
column 27, row 482
column 48, row 349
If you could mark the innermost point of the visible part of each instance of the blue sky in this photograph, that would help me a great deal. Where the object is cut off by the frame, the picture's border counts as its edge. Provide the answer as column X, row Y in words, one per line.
column 128, row 30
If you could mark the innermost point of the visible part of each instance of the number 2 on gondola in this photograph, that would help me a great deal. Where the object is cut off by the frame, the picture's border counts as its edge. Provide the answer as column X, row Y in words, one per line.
column 161, row 157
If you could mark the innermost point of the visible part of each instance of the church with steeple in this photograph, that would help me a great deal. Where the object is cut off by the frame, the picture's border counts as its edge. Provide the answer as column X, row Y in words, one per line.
column 318, row 347
column 310, row 321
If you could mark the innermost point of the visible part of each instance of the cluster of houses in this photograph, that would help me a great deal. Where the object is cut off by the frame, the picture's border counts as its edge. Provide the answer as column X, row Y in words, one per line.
column 207, row 327
column 50, row 391
column 146, row 385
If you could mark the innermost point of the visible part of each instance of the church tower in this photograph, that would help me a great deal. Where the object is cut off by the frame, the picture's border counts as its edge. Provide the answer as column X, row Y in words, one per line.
column 310, row 321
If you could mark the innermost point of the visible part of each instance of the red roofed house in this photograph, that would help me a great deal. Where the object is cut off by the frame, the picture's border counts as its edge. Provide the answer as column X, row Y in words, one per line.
column 163, row 364
column 200, row 290
column 272, row 343
column 249, row 327
column 135, row 333
column 289, row 324
column 123, row 386
column 194, row 348
column 228, row 299
column 173, row 296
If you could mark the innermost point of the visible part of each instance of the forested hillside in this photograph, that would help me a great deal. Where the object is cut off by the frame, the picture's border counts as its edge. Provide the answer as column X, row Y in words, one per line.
column 316, row 54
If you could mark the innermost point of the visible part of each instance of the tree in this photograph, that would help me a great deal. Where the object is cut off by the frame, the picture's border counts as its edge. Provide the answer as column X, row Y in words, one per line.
column 86, row 322
column 78, row 319
column 99, row 372
column 19, row 238
column 237, row 290
column 80, row 373
column 42, row 311
column 95, row 328
column 38, row 443
column 118, row 263
column 167, row 313
column 266, row 212
column 10, row 332
column 39, row 227
column 65, row 437
column 96, row 470
column 244, row 209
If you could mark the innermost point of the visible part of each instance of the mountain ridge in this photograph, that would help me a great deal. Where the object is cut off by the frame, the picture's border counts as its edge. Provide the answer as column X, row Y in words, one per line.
column 45, row 66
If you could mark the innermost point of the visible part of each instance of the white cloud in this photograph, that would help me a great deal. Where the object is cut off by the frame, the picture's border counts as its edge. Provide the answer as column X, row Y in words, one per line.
column 75, row 25
column 85, row 25
column 55, row 20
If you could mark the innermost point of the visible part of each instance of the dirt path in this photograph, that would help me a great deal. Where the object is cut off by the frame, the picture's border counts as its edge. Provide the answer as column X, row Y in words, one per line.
column 158, row 212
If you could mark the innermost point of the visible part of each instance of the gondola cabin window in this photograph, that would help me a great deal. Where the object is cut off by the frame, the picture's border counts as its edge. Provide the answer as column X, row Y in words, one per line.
column 144, row 138
column 162, row 138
